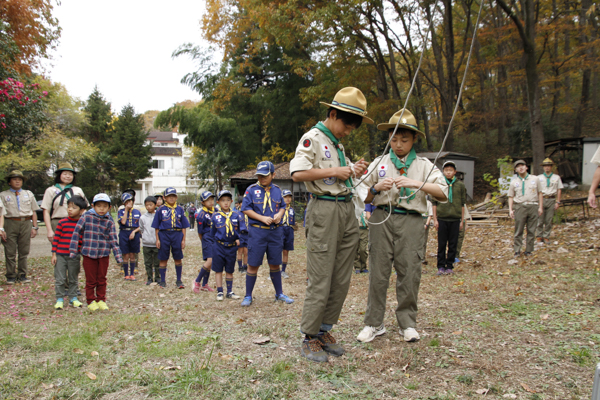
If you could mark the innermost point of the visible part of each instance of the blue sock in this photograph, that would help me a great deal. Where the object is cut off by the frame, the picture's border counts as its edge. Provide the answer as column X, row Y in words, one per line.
column 276, row 279
column 229, row 283
column 206, row 276
column 283, row 267
column 220, row 289
column 163, row 274
column 250, row 282
column 131, row 268
column 239, row 263
column 178, row 269
column 125, row 268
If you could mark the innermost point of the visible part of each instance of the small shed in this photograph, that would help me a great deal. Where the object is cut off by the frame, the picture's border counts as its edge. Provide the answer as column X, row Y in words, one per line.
column 283, row 179
column 590, row 145
column 465, row 166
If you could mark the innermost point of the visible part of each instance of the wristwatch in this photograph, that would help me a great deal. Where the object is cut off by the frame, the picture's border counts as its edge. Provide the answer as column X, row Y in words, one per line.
column 36, row 227
column 1, row 229
column 373, row 191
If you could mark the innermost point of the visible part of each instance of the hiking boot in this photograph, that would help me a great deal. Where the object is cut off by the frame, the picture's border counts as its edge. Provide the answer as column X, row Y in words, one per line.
column 24, row 279
column 207, row 288
column 11, row 281
column 410, row 335
column 149, row 282
column 313, row 350
column 441, row 271
column 162, row 284
column 197, row 287
column 102, row 305
column 220, row 296
column 527, row 253
column 233, row 296
column 329, row 344
column 282, row 297
column 59, row 304
column 369, row 333
column 93, row 306
column 517, row 254
column 247, row 302
column 284, row 275
column 179, row 285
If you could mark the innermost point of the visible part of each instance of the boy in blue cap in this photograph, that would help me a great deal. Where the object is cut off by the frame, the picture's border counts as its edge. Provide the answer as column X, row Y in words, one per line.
column 170, row 224
column 289, row 226
column 203, row 218
column 129, row 237
column 263, row 205
column 242, row 257
column 225, row 228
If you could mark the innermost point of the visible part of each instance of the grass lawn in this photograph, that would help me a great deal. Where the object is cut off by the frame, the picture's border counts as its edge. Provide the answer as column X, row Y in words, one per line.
column 528, row 330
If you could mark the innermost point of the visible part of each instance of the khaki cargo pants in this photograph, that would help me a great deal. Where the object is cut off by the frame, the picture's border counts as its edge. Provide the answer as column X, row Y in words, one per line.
column 525, row 215
column 360, row 261
column 397, row 242
column 544, row 226
column 18, row 239
column 331, row 241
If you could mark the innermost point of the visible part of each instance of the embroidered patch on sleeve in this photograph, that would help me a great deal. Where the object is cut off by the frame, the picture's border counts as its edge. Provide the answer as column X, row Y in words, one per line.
column 306, row 143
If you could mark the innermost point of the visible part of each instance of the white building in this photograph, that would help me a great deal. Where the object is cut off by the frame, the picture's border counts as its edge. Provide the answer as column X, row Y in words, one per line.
column 170, row 166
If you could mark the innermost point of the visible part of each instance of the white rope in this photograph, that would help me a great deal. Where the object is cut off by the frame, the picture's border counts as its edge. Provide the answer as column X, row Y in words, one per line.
column 462, row 85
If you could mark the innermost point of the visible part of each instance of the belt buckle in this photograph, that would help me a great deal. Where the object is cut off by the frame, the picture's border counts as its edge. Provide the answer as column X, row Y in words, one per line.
column 348, row 198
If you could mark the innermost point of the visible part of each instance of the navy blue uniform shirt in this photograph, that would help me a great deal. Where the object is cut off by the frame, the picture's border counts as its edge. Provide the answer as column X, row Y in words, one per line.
column 203, row 218
column 133, row 218
column 221, row 232
column 170, row 218
column 289, row 217
column 254, row 199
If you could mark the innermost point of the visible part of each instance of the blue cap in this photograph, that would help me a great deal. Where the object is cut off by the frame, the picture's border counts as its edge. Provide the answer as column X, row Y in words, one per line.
column 170, row 191
column 224, row 193
column 206, row 195
column 286, row 193
column 125, row 197
column 265, row 168
column 101, row 197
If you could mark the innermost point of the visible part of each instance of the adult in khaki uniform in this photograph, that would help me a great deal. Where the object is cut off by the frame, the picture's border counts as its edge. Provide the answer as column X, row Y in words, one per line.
column 360, row 261
column 56, row 196
column 551, row 191
column 396, row 231
column 20, row 225
column 525, row 206
column 427, row 217
column 331, row 228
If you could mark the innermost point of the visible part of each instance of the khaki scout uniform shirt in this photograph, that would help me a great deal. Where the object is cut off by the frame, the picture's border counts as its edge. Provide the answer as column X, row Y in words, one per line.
column 58, row 211
column 316, row 151
column 418, row 171
column 596, row 157
column 2, row 208
column 555, row 184
column 28, row 204
column 532, row 188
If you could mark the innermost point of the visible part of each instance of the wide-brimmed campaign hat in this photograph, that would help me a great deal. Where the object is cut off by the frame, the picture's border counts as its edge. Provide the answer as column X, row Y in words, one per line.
column 547, row 161
column 15, row 174
column 351, row 100
column 408, row 122
column 65, row 166
column 518, row 162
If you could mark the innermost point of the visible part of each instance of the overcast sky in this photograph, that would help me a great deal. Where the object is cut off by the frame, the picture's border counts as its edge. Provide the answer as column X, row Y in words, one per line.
column 125, row 48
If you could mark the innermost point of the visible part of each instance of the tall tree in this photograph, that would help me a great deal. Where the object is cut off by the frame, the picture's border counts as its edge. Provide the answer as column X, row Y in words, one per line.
column 131, row 156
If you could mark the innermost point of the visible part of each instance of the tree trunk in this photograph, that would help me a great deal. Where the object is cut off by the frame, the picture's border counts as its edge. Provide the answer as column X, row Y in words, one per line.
column 587, row 72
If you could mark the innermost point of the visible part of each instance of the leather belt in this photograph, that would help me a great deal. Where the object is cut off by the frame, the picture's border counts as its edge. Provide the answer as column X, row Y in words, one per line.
column 20, row 218
column 127, row 229
column 170, row 230
column 550, row 197
column 226, row 244
column 398, row 210
column 270, row 227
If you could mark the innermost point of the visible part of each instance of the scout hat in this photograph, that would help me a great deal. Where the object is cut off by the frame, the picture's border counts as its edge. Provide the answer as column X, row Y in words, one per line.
column 65, row 166
column 126, row 197
column 408, row 122
column 350, row 100
column 15, row 174
column 130, row 191
column 169, row 191
column 547, row 161
column 449, row 163
column 519, row 162
column 265, row 168
column 101, row 197
column 286, row 193
column 206, row 195
column 224, row 193
column 159, row 194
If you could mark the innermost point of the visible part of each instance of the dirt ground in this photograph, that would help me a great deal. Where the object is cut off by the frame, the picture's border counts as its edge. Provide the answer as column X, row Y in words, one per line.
column 500, row 328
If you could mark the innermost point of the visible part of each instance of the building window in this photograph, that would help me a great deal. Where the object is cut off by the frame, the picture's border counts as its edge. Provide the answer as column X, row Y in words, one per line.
column 164, row 144
column 158, row 164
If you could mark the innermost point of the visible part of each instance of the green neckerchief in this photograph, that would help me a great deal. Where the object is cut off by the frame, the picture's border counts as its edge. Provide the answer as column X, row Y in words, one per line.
column 450, row 188
column 362, row 220
column 548, row 178
column 523, row 181
column 321, row 126
column 403, row 168
column 66, row 193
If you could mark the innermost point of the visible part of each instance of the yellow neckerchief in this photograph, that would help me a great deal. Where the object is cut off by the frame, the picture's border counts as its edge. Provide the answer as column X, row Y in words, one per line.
column 173, row 214
column 267, row 197
column 208, row 210
column 228, row 224
column 286, row 216
column 131, row 217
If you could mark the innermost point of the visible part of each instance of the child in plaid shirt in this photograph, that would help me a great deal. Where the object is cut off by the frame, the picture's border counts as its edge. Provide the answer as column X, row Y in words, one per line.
column 99, row 237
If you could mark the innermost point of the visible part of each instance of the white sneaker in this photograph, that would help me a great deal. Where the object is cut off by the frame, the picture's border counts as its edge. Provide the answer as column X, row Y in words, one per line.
column 369, row 332
column 410, row 335
column 220, row 296
column 284, row 275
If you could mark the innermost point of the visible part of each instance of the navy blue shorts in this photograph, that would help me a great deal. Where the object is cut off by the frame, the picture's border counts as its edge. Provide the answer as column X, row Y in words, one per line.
column 243, row 240
column 224, row 258
column 129, row 246
column 288, row 238
column 261, row 241
column 207, row 247
column 170, row 243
